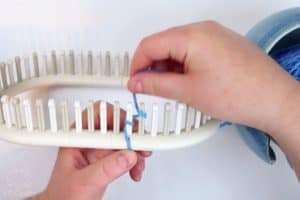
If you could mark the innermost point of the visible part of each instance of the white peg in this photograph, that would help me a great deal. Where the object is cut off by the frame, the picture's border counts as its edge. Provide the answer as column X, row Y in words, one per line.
column 103, row 117
column 18, row 68
column 154, row 120
column 26, row 67
column 6, row 111
column 28, row 114
column 99, row 65
column 71, row 66
column 80, row 61
column 167, row 119
column 189, row 118
column 78, row 117
column 40, row 115
column 52, row 115
column 116, row 124
column 54, row 62
column 91, row 123
column 35, row 59
column 3, row 76
column 198, row 119
column 62, row 62
column 89, row 70
column 45, row 63
column 129, row 118
column 10, row 74
column 1, row 114
column 179, row 117
column 107, row 64
column 65, row 116
column 126, row 64
column 141, row 126
column 17, row 112
column 116, row 66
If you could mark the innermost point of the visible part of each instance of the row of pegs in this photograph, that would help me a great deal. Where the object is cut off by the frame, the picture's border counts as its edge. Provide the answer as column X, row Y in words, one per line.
column 20, row 69
column 12, row 108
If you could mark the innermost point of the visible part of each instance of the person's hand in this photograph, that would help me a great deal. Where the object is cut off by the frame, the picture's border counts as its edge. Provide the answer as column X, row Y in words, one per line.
column 219, row 72
column 215, row 70
column 84, row 174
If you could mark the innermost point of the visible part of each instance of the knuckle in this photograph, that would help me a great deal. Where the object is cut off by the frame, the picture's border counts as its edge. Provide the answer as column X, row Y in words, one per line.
column 105, row 173
column 202, row 31
column 204, row 27
column 210, row 24
column 179, row 31
column 144, row 42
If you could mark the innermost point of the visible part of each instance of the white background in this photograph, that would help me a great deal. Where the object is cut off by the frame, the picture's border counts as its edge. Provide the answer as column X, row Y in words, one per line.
column 220, row 168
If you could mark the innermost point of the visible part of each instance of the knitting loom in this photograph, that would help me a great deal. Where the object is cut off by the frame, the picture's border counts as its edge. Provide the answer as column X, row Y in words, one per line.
column 17, row 124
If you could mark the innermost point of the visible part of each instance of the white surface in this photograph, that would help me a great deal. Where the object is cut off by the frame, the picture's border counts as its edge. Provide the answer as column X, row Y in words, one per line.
column 221, row 168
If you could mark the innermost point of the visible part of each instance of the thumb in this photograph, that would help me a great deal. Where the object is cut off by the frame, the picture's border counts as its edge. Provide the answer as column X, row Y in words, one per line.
column 166, row 84
column 102, row 172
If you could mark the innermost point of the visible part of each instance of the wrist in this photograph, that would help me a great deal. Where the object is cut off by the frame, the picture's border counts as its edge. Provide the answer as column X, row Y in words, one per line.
column 288, row 117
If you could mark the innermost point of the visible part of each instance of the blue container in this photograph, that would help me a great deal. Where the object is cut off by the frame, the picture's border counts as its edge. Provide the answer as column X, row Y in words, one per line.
column 278, row 31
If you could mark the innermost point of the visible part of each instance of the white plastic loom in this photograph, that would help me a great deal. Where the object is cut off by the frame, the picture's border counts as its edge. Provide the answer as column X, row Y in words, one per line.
column 18, row 125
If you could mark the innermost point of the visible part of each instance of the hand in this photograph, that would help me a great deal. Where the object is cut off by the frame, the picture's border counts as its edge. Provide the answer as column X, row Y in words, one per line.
column 219, row 72
column 84, row 174
column 215, row 70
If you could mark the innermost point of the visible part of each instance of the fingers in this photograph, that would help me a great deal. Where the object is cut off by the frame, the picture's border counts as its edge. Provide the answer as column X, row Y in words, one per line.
column 162, row 49
column 69, row 159
column 104, row 171
column 168, row 85
column 169, row 44
column 145, row 154
column 137, row 171
column 93, row 155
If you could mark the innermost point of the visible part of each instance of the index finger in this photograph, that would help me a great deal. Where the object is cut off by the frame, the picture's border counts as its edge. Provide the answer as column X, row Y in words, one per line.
column 168, row 44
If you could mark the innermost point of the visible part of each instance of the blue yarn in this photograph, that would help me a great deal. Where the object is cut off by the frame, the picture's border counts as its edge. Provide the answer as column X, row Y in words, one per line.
column 140, row 113
column 126, row 136
column 289, row 60
column 224, row 123
column 136, row 105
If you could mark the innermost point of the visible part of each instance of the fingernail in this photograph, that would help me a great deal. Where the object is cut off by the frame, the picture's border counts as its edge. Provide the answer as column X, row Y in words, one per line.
column 138, row 177
column 91, row 158
column 123, row 161
column 138, row 87
column 147, row 153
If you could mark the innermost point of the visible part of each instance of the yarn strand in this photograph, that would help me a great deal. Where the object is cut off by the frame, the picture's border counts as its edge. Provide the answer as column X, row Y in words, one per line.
column 140, row 113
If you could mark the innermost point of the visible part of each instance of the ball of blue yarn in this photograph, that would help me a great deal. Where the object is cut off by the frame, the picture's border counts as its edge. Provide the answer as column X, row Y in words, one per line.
column 289, row 60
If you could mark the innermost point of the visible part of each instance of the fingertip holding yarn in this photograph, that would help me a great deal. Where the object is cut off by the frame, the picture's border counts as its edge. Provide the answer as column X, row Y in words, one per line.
column 139, row 113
